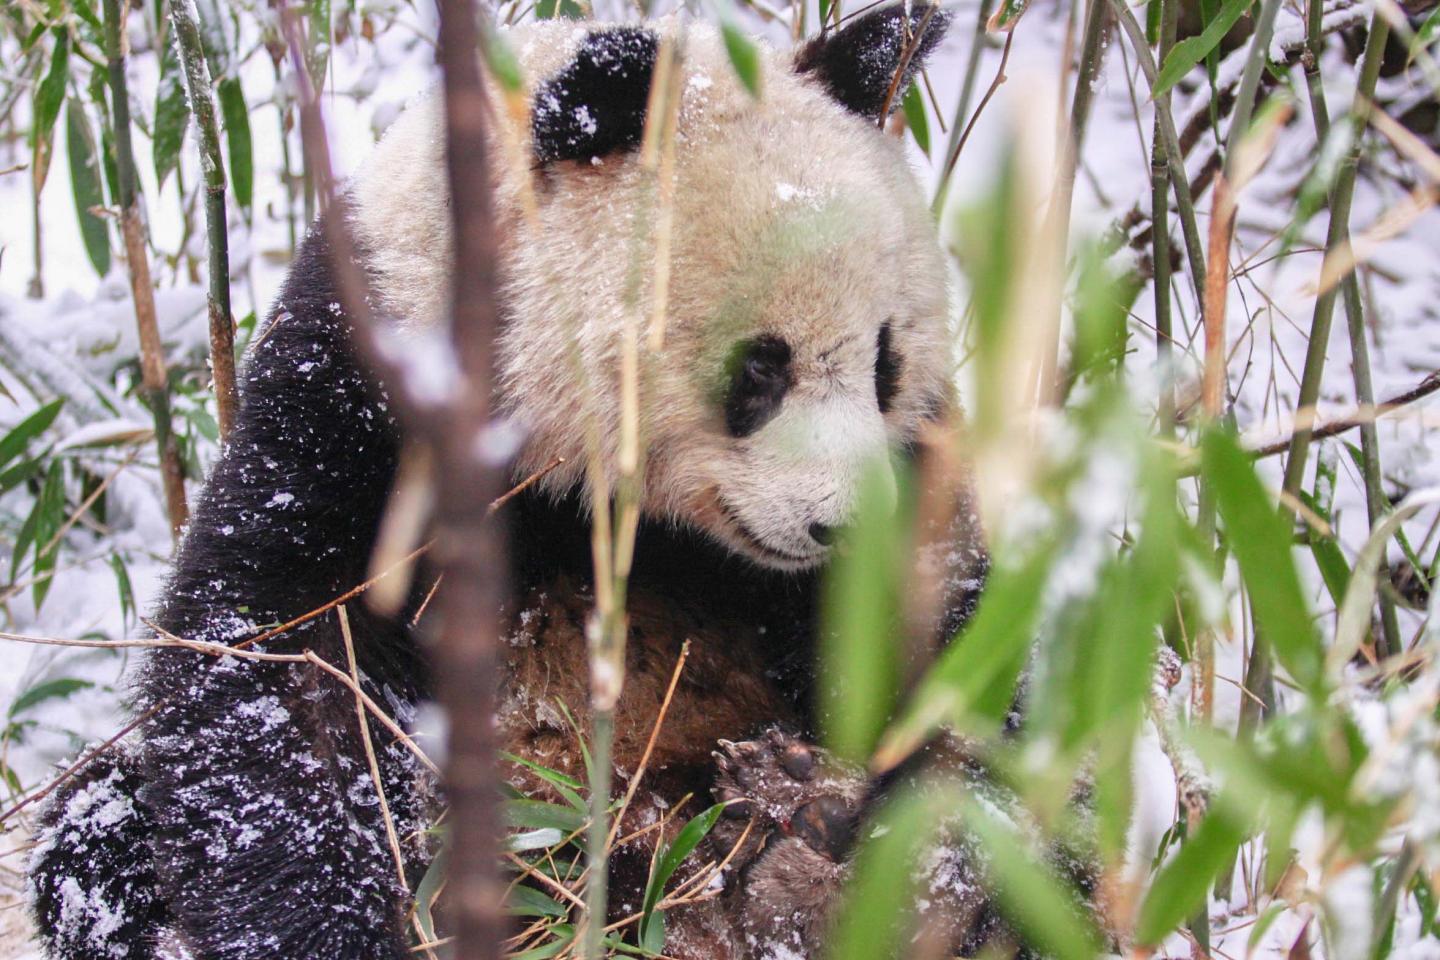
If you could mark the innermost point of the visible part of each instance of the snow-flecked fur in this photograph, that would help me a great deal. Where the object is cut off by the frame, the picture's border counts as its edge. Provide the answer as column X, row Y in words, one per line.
column 92, row 881
column 795, row 220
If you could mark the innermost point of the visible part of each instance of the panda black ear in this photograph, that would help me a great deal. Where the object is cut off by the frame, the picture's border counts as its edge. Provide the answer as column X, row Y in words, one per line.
column 596, row 103
column 857, row 64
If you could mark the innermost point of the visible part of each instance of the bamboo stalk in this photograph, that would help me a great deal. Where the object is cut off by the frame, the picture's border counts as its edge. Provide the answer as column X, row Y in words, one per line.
column 184, row 21
column 1359, row 345
column 152, row 352
column 470, row 543
column 1258, row 675
column 1175, row 158
column 1160, row 233
column 1092, row 54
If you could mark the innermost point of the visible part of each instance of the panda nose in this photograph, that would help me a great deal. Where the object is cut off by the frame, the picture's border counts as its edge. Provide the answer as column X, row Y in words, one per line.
column 822, row 534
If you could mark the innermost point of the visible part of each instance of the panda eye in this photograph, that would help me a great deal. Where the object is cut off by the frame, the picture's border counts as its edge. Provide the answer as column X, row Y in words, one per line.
column 887, row 370
column 758, row 379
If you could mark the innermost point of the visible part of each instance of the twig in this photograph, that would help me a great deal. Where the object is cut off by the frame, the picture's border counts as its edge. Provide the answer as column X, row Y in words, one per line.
column 222, row 330
column 152, row 351
column 970, row 124
column 370, row 750
column 1184, row 200
column 75, row 767
column 649, row 744
column 905, row 57
column 1361, row 416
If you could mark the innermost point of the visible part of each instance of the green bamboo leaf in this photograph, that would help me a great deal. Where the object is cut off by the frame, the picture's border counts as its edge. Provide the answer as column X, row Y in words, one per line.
column 48, row 97
column 558, row 9
column 86, row 186
column 567, row 787
column 429, row 891
column 1037, row 901
column 15, row 442
column 172, row 114
column 1260, row 538
column 914, row 106
column 238, row 147
column 869, row 926
column 49, row 515
column 500, row 58
column 51, row 92
column 1428, row 33
column 123, row 586
column 1004, row 19
column 972, row 684
column 523, row 901
column 1192, row 50
column 744, row 56
column 859, row 648
column 669, row 860
column 317, row 56
column 49, row 690
column 1183, row 884
column 563, row 933
column 536, row 814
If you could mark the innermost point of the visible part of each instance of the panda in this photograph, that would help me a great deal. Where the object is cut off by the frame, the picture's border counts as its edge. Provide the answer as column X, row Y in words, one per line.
column 806, row 338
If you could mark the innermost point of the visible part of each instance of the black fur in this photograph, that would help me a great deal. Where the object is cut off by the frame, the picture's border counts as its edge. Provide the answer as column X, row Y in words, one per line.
column 857, row 64
column 760, row 376
column 257, row 832
column 887, row 370
column 93, row 880
column 596, row 103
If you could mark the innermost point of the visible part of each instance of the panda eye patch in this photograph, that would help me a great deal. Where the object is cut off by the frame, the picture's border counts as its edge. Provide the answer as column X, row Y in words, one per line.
column 758, row 378
column 887, row 370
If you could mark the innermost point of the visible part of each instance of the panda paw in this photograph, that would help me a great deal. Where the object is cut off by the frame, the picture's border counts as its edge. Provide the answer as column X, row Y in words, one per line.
column 786, row 787
column 792, row 809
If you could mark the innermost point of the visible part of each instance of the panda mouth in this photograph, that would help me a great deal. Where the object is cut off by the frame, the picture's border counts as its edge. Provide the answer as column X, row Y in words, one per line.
column 753, row 541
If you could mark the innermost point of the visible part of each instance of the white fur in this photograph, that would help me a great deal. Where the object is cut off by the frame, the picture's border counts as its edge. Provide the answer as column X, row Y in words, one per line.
column 792, row 218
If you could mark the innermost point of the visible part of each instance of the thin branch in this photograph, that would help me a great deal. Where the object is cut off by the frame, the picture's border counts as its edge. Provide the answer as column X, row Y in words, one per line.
column 184, row 21
column 152, row 351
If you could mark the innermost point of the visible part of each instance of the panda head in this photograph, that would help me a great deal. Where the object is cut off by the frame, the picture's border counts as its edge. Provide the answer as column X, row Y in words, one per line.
column 806, row 310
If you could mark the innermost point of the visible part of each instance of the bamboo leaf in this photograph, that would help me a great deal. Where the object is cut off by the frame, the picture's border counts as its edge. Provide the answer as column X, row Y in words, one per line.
column 49, row 514
column 51, row 92
column 536, row 814
column 972, row 684
column 15, row 442
column 524, row 901
column 914, row 106
column 744, row 56
column 1260, row 537
column 48, row 97
column 669, row 860
column 172, row 115
column 1192, row 50
column 1182, row 885
column 238, row 147
column 1035, row 899
column 558, row 9
column 50, row 690
column 868, row 925
column 859, row 647
column 86, row 186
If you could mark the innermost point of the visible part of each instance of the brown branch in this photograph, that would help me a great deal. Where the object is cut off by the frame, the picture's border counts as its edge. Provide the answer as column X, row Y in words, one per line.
column 906, row 56
column 1423, row 389
column 132, row 229
column 467, row 548
column 78, row 765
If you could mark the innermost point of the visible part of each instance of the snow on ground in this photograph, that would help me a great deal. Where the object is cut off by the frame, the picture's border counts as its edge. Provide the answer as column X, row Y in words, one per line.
column 76, row 332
